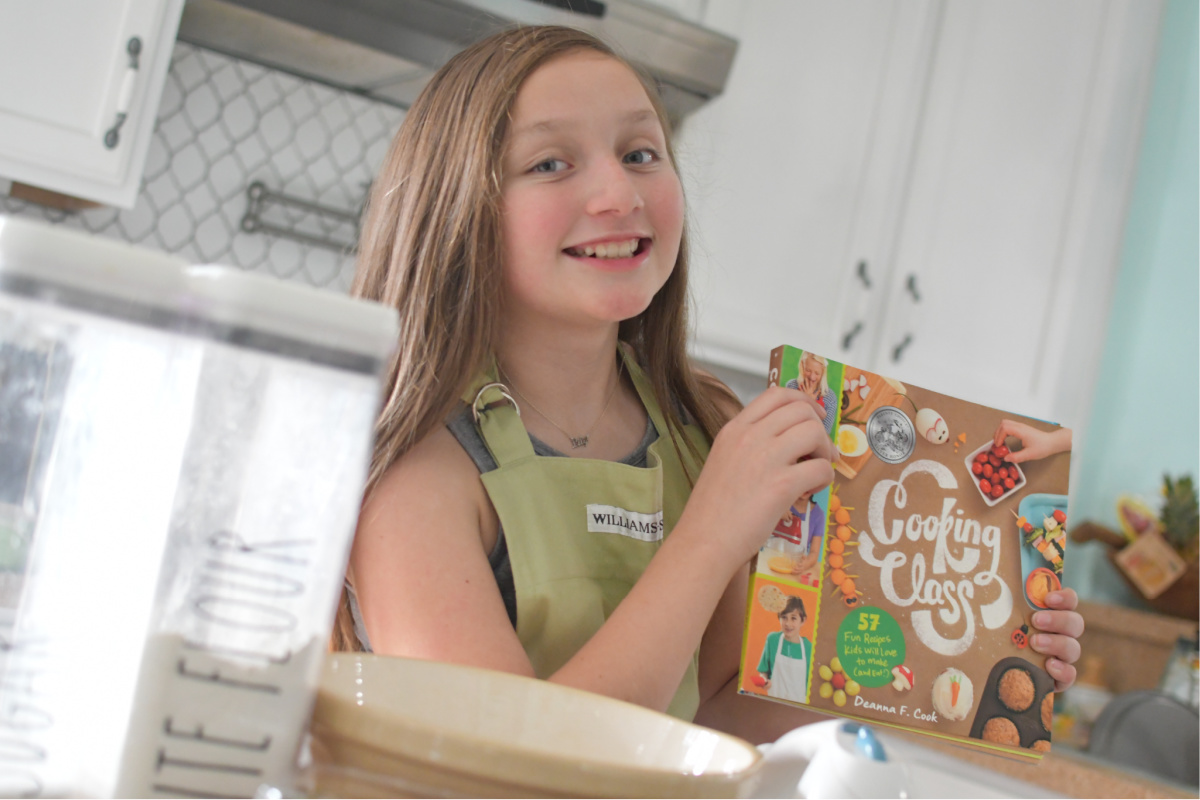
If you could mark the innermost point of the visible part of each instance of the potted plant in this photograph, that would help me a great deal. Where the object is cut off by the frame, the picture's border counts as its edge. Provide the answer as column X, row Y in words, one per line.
column 1157, row 552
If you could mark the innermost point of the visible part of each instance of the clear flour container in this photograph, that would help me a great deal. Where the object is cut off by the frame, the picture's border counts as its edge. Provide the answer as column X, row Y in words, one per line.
column 182, row 456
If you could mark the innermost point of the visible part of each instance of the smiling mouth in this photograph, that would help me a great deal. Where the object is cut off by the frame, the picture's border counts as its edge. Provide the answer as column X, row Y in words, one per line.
column 624, row 249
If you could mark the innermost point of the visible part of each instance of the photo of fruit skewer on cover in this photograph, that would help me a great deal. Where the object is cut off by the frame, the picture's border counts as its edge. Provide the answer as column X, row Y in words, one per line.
column 1049, row 539
column 839, row 576
column 1041, row 522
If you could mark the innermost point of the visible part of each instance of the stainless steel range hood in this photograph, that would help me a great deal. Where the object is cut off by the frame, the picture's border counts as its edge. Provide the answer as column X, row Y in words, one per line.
column 388, row 49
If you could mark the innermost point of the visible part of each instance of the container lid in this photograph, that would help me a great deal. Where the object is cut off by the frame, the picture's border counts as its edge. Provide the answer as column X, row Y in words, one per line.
column 115, row 279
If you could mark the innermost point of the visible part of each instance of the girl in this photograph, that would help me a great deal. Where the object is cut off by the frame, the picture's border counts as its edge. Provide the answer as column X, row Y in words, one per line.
column 535, row 502
column 799, row 534
column 815, row 383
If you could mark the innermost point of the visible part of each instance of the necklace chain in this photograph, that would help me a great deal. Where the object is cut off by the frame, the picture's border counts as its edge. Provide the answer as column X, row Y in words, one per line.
column 576, row 441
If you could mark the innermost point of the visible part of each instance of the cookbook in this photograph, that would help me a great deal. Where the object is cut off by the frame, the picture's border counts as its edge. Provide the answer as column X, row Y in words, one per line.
column 903, row 594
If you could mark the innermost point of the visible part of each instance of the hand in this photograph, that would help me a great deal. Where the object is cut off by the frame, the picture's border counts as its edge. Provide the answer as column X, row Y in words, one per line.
column 1057, row 634
column 1034, row 443
column 770, row 453
column 805, row 564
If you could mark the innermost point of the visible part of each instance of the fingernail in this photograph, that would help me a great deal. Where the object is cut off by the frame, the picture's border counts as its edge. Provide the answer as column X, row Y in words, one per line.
column 1053, row 598
column 1041, row 619
column 1040, row 641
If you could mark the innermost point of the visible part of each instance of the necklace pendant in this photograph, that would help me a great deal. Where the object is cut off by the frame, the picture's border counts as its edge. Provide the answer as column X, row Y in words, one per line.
column 579, row 442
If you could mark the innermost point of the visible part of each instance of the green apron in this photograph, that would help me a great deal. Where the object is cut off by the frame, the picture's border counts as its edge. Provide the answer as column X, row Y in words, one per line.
column 580, row 531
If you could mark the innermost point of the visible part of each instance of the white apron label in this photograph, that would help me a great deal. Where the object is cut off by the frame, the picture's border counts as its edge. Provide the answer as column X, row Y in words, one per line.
column 610, row 519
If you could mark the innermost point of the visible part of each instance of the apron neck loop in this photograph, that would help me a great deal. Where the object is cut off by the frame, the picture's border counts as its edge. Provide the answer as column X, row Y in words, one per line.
column 498, row 415
column 499, row 418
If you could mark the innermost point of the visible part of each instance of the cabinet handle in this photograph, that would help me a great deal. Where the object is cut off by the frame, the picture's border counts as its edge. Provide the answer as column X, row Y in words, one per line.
column 589, row 8
column 899, row 349
column 911, row 286
column 848, row 339
column 861, row 271
column 112, row 136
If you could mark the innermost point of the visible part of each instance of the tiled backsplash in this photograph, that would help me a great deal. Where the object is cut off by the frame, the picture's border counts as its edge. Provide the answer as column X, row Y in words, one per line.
column 223, row 124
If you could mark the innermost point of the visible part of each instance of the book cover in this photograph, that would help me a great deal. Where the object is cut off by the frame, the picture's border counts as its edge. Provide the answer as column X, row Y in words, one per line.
column 903, row 594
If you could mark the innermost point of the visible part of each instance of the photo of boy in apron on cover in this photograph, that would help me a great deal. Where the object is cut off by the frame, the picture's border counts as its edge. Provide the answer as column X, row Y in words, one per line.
column 786, row 655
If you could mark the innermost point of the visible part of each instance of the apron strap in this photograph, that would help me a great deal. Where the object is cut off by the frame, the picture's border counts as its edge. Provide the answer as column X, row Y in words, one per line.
column 645, row 390
column 498, row 415
column 499, row 419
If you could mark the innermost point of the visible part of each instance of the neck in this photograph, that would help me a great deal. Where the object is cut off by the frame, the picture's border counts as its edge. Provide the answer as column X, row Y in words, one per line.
column 569, row 380
column 566, row 369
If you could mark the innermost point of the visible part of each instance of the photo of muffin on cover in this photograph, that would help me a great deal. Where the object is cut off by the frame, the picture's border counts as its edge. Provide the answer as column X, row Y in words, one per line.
column 1016, row 708
column 1016, row 690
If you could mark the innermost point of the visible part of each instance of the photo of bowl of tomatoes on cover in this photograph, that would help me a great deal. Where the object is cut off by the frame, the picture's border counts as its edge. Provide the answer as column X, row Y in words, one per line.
column 994, row 477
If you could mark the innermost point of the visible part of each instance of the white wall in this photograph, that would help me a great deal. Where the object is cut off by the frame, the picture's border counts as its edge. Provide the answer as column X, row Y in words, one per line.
column 1146, row 408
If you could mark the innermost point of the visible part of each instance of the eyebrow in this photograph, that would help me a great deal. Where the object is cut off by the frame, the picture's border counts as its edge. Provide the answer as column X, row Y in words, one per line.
column 556, row 125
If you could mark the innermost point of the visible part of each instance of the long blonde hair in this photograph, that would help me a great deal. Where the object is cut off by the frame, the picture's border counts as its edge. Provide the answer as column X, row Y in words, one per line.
column 431, row 248
column 823, row 382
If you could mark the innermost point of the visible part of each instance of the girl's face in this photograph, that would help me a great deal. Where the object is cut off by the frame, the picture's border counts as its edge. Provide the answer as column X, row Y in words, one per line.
column 592, row 208
column 790, row 624
column 813, row 370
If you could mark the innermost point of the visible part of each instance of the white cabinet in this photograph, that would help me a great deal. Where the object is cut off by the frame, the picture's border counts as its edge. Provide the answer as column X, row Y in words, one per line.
column 932, row 190
column 82, row 84
column 815, row 119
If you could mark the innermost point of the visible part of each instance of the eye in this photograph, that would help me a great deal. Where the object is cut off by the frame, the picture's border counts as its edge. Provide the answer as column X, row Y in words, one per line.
column 641, row 157
column 550, row 166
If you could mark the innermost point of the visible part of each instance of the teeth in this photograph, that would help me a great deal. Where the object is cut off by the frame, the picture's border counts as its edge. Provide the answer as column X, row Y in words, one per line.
column 609, row 250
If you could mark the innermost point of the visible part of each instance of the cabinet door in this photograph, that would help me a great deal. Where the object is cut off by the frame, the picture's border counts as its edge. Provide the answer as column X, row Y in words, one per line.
column 792, row 172
column 72, row 69
column 1011, row 230
column 688, row 9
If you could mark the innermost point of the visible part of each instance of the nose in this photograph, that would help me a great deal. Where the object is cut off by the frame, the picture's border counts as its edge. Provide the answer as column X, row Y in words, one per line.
column 612, row 189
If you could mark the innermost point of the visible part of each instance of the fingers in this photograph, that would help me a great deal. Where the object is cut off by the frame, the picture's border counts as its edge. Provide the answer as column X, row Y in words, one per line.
column 1064, row 600
column 1001, row 434
column 821, row 410
column 1061, row 646
column 1068, row 623
column 1019, row 456
column 813, row 475
column 1063, row 674
column 1057, row 636
column 1061, row 653
column 1007, row 428
column 773, row 451
column 800, row 423
column 785, row 422
column 776, row 397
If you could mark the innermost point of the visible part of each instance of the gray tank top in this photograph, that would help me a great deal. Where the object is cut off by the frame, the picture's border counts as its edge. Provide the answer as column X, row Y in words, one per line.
column 462, row 426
